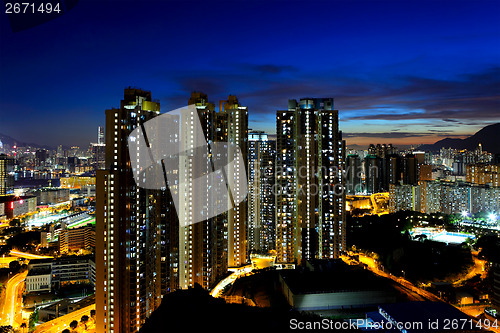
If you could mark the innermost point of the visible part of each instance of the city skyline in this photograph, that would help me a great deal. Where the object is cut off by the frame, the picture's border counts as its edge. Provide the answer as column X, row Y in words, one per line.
column 404, row 73
column 263, row 165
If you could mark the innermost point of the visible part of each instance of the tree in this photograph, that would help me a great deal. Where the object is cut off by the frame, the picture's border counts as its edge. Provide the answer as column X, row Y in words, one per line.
column 33, row 320
column 14, row 266
column 73, row 324
column 92, row 314
column 6, row 329
column 23, row 326
column 66, row 331
column 84, row 320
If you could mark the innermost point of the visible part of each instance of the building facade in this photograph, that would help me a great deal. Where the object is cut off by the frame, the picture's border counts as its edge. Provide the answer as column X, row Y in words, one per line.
column 130, row 228
column 161, row 236
column 76, row 239
column 261, row 200
column 310, row 198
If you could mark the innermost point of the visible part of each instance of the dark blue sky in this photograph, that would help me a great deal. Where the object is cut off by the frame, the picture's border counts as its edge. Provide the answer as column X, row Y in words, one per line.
column 400, row 71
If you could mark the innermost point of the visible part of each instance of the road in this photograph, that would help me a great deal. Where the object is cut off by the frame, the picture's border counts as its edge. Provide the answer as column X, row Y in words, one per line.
column 27, row 255
column 217, row 291
column 478, row 268
column 373, row 266
column 59, row 324
column 411, row 290
column 12, row 304
column 5, row 261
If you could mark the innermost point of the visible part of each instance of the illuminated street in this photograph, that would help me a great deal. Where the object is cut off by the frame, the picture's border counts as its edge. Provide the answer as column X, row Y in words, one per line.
column 477, row 269
column 59, row 324
column 236, row 173
column 12, row 303
column 5, row 261
column 27, row 255
column 373, row 266
column 409, row 288
column 217, row 291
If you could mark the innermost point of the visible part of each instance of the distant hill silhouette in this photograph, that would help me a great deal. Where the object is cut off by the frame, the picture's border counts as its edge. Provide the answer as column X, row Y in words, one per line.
column 488, row 137
column 14, row 142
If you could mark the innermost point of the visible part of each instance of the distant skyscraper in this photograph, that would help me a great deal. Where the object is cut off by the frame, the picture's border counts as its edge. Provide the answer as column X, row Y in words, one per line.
column 393, row 167
column 40, row 157
column 410, row 170
column 261, row 199
column 130, row 228
column 100, row 135
column 310, row 202
column 98, row 150
column 6, row 180
column 373, row 178
column 353, row 172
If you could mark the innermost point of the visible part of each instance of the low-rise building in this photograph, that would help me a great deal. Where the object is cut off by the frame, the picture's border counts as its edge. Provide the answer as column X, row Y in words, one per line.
column 76, row 239
column 39, row 278
column 46, row 275
column 73, row 270
column 50, row 196
column 334, row 285
column 16, row 206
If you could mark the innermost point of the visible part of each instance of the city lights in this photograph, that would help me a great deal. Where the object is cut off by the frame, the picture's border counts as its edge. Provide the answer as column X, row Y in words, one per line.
column 208, row 166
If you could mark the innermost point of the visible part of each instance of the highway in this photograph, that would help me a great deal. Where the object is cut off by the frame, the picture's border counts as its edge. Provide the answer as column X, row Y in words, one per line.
column 413, row 291
column 217, row 291
column 477, row 269
column 59, row 324
column 27, row 255
column 372, row 265
column 12, row 303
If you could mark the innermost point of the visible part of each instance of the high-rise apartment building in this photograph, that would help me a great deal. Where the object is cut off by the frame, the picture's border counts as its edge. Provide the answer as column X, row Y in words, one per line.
column 410, row 169
column 483, row 174
column 261, row 199
column 310, row 198
column 237, row 139
column 207, row 248
column 130, row 226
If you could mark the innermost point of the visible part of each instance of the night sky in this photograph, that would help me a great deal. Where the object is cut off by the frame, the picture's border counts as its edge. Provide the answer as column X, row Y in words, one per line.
column 401, row 72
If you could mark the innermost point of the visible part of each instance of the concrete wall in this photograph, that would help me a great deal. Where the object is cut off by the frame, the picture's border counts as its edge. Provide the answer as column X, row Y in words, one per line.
column 336, row 300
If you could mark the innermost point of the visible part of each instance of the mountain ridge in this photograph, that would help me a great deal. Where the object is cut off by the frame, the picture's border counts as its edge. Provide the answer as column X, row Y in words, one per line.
column 488, row 137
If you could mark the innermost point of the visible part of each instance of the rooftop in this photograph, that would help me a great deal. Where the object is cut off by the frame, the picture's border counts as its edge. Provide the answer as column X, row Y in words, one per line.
column 333, row 277
column 41, row 261
column 12, row 197
column 40, row 271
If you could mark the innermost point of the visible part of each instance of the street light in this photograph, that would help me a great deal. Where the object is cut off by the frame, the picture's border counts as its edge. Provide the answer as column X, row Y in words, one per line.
column 492, row 217
column 465, row 214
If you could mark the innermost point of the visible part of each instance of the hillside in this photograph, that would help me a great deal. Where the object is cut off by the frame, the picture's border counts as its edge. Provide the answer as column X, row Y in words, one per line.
column 489, row 137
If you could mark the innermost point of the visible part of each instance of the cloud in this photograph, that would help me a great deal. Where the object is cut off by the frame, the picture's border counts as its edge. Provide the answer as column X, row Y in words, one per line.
column 271, row 69
column 450, row 107
column 398, row 135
